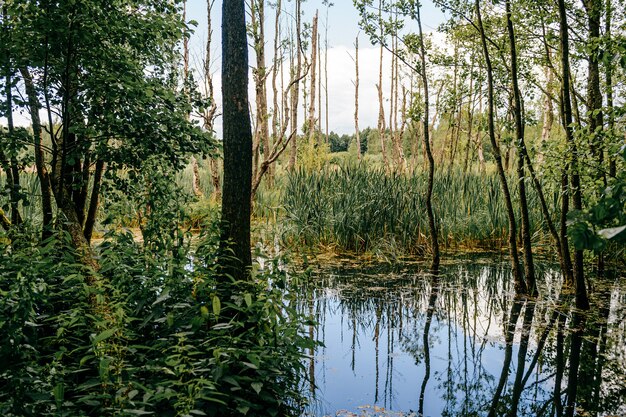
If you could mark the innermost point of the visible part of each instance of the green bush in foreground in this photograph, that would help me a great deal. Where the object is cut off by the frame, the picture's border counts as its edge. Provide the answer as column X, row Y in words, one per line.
column 171, row 348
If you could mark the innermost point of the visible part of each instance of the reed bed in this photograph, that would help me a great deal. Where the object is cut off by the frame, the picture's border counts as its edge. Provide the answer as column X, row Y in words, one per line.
column 360, row 209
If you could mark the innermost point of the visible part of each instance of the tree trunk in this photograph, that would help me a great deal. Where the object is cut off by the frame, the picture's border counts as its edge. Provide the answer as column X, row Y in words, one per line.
column 12, row 170
column 235, row 256
column 520, row 286
column 529, row 267
column 215, row 179
column 594, row 94
column 470, row 117
column 94, row 201
column 548, row 114
column 42, row 172
column 277, row 64
column 261, row 136
column 356, row 99
column 211, row 113
column 326, row 71
column 582, row 301
column 432, row 226
column 4, row 221
column 609, row 87
column 379, row 86
column 295, row 90
column 311, row 123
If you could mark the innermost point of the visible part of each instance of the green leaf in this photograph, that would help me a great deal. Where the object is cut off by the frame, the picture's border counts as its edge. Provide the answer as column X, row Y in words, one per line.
column 250, row 365
column 59, row 392
column 217, row 305
column 256, row 386
column 104, row 335
column 248, row 299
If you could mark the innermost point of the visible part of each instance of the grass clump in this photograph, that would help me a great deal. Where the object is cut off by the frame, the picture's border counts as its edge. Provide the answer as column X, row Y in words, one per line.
column 361, row 209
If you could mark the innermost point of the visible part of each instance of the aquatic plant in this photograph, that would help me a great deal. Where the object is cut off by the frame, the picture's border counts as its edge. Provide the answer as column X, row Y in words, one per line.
column 360, row 209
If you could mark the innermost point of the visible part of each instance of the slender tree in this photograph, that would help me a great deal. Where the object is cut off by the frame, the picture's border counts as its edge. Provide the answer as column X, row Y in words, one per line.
column 529, row 268
column 311, row 122
column 210, row 113
column 566, row 108
column 432, row 226
column 295, row 87
column 356, row 99
column 520, row 286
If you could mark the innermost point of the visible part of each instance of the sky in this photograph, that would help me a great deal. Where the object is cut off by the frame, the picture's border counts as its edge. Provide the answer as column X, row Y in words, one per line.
column 342, row 21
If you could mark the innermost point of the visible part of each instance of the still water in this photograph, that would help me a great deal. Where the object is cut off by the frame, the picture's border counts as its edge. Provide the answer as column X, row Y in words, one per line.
column 400, row 342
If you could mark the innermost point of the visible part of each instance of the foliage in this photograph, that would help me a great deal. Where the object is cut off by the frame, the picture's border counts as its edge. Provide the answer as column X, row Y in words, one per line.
column 603, row 222
column 176, row 349
column 366, row 209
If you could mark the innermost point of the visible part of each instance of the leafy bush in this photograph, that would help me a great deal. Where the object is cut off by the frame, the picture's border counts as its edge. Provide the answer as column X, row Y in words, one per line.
column 164, row 344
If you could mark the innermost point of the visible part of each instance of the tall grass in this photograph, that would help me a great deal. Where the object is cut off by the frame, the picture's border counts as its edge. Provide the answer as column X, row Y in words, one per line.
column 30, row 189
column 364, row 209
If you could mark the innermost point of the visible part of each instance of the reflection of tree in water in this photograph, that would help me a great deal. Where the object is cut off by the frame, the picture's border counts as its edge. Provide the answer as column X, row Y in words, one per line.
column 552, row 358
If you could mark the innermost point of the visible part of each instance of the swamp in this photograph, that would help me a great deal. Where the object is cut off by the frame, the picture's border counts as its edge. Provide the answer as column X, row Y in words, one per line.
column 365, row 208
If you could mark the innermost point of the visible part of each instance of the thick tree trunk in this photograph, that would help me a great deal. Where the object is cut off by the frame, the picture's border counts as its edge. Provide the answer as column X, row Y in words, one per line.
column 215, row 179
column 195, row 178
column 520, row 285
column 235, row 258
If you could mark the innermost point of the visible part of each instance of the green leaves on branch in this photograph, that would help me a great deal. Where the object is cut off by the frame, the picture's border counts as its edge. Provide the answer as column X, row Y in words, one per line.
column 602, row 223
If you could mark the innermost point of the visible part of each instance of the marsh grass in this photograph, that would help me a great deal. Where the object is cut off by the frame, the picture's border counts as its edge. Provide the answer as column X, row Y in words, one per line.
column 362, row 209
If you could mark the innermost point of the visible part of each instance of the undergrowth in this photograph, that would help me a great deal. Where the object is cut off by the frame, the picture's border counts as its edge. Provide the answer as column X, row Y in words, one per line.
column 175, row 348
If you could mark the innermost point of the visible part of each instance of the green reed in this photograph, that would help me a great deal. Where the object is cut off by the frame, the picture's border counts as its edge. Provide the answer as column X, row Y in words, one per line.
column 366, row 209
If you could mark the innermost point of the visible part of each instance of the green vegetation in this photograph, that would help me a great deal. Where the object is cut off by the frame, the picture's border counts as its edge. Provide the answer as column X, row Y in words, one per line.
column 358, row 209
column 166, row 346
column 142, row 248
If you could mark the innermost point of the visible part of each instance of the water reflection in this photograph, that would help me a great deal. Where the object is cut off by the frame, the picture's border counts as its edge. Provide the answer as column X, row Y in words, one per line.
column 461, row 344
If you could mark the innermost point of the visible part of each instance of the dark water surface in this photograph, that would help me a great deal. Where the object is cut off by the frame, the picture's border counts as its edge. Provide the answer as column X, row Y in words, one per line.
column 406, row 343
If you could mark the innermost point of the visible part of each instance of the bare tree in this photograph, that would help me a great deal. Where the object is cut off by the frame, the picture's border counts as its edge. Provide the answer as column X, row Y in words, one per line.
column 311, row 122
column 356, row 99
